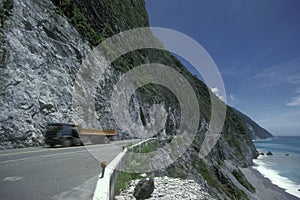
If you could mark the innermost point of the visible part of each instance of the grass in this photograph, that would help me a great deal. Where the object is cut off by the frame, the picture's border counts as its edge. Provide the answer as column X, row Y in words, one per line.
column 217, row 180
column 147, row 147
column 123, row 179
column 242, row 179
column 205, row 173
column 130, row 144
column 153, row 145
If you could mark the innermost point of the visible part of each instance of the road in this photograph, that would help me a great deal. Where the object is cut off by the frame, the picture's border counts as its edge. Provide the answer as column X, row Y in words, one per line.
column 53, row 173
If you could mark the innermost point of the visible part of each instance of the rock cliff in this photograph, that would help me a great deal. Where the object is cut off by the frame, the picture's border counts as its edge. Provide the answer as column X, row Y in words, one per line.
column 41, row 53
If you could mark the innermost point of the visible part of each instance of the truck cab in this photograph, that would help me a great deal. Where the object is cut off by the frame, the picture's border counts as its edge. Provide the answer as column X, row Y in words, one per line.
column 62, row 134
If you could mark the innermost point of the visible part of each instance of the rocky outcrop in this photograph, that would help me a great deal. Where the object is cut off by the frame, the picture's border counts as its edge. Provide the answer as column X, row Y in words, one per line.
column 144, row 189
column 269, row 153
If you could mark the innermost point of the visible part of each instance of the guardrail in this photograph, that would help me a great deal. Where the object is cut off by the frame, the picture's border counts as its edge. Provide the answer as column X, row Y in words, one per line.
column 105, row 188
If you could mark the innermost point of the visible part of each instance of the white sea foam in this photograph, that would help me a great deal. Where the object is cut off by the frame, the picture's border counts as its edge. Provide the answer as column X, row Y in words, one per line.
column 266, row 170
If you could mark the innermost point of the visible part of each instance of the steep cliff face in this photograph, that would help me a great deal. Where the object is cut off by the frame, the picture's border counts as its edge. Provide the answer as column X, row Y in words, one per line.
column 233, row 150
column 43, row 46
column 41, row 53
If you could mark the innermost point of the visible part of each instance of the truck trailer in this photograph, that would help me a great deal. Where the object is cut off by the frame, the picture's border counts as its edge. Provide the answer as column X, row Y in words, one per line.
column 72, row 135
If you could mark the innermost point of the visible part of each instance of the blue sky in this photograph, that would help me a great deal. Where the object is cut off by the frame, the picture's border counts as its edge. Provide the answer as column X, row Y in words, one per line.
column 256, row 47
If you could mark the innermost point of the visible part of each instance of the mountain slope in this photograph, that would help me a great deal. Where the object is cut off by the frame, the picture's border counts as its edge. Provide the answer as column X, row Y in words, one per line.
column 252, row 128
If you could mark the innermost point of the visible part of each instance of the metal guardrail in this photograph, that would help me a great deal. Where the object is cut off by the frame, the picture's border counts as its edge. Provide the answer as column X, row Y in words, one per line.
column 105, row 188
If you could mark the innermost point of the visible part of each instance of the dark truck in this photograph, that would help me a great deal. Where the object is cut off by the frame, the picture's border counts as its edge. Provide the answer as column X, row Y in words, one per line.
column 72, row 134
column 62, row 134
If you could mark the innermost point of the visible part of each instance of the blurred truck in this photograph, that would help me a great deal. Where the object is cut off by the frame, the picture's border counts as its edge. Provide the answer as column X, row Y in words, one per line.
column 72, row 135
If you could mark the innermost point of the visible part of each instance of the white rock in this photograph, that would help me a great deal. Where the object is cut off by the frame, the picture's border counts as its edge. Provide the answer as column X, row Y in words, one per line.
column 171, row 188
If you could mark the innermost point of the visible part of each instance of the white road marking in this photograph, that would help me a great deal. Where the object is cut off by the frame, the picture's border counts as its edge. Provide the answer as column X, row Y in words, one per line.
column 55, row 154
column 12, row 178
column 35, row 151
column 42, row 150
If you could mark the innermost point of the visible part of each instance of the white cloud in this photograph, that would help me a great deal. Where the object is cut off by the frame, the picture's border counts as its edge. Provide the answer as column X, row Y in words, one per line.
column 295, row 101
column 297, row 90
column 283, row 120
column 294, row 79
column 216, row 91
column 278, row 74
column 232, row 97
column 282, row 123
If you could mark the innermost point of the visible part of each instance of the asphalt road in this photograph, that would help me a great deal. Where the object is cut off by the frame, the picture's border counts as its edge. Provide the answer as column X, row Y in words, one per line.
column 53, row 173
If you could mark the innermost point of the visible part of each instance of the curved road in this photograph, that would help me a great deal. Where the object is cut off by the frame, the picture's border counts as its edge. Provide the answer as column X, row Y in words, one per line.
column 53, row 173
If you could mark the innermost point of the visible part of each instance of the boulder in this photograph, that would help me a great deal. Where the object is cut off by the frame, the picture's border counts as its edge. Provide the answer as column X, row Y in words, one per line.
column 269, row 153
column 144, row 189
column 262, row 154
column 287, row 154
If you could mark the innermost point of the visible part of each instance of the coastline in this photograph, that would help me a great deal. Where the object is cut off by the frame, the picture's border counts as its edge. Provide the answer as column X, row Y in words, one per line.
column 281, row 166
column 265, row 189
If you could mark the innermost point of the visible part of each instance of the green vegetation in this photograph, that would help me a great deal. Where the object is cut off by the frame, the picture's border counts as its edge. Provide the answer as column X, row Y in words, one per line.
column 217, row 180
column 205, row 173
column 97, row 20
column 123, row 179
column 147, row 147
column 152, row 145
column 130, row 144
column 242, row 179
column 255, row 128
column 235, row 134
column 5, row 9
column 70, row 9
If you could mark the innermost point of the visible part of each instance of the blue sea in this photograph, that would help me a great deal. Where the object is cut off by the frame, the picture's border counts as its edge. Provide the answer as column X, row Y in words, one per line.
column 283, row 167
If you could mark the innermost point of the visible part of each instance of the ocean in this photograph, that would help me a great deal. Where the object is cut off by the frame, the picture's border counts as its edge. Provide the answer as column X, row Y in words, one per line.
column 283, row 167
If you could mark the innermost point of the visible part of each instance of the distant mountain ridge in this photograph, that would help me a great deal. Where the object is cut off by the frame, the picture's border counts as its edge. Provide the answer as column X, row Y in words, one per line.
column 252, row 128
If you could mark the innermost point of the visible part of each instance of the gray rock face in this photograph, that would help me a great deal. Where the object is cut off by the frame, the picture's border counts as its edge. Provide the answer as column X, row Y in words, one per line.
column 144, row 189
column 41, row 54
